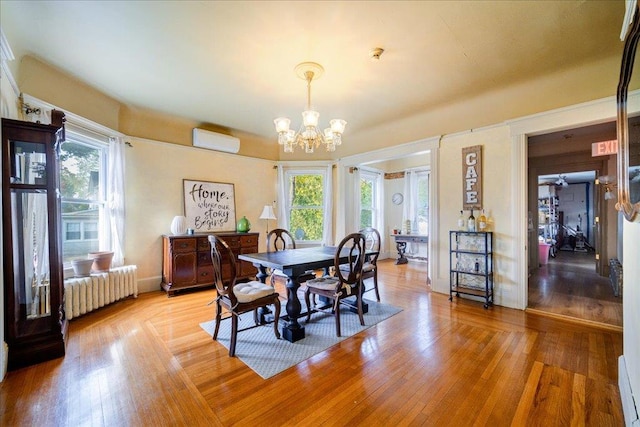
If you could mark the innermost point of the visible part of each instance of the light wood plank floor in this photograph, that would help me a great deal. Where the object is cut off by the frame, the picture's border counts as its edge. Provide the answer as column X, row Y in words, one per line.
column 569, row 286
column 147, row 362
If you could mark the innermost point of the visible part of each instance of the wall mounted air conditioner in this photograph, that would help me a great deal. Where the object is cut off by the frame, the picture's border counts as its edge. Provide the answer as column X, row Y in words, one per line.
column 215, row 141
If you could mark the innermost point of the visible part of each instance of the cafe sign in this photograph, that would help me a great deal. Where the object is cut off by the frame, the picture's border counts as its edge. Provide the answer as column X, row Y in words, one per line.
column 472, row 177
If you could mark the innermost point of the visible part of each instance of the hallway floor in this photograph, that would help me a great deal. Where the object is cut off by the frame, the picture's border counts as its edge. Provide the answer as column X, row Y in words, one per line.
column 569, row 286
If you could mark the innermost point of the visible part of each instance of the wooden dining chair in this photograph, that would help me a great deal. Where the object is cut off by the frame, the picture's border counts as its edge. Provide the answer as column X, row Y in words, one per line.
column 280, row 239
column 370, row 267
column 346, row 283
column 238, row 298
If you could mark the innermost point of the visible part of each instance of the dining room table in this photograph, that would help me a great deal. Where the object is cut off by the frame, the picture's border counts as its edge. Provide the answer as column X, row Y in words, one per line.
column 294, row 263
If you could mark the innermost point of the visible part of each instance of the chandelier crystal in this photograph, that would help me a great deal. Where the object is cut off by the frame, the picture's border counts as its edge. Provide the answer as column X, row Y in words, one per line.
column 309, row 136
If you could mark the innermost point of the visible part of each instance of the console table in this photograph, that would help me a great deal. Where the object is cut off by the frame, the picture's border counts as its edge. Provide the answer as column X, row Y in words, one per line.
column 401, row 246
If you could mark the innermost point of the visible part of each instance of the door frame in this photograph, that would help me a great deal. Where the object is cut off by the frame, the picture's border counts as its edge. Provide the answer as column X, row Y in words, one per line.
column 584, row 114
column 549, row 165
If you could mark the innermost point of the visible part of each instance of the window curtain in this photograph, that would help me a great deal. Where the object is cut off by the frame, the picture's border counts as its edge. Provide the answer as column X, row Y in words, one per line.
column 357, row 196
column 327, row 230
column 115, row 199
column 410, row 198
column 282, row 211
column 379, row 209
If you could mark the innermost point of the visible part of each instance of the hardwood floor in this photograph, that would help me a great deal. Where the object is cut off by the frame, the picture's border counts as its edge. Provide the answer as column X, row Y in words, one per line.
column 568, row 286
column 147, row 362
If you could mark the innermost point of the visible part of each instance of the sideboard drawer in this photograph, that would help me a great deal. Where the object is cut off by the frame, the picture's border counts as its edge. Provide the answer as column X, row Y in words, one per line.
column 249, row 241
column 203, row 244
column 183, row 245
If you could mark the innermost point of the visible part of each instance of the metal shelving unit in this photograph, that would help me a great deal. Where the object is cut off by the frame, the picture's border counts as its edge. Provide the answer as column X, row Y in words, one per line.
column 471, row 265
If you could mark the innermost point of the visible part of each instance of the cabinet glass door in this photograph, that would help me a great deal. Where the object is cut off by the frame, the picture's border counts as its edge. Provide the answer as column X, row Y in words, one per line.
column 30, row 235
column 28, row 163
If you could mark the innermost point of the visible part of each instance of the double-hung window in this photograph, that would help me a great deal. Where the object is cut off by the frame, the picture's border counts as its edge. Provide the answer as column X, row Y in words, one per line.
column 369, row 199
column 305, row 200
column 306, row 195
column 83, row 165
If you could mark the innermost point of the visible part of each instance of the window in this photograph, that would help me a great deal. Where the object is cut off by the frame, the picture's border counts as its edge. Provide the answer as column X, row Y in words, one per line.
column 368, row 199
column 90, row 230
column 83, row 163
column 305, row 205
column 72, row 231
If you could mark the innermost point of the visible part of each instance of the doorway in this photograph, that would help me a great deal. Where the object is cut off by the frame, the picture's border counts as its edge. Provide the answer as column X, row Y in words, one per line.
column 573, row 226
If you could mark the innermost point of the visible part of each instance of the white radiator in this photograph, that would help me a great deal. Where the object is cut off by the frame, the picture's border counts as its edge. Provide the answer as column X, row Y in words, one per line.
column 85, row 294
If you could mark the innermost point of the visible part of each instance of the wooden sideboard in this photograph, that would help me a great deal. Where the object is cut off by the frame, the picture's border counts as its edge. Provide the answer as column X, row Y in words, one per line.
column 186, row 260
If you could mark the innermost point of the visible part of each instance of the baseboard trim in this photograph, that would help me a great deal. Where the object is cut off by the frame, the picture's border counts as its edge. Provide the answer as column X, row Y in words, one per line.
column 626, row 395
column 149, row 284
column 585, row 322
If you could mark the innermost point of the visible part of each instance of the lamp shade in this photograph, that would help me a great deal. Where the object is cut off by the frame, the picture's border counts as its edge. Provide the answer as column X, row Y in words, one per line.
column 267, row 212
column 179, row 224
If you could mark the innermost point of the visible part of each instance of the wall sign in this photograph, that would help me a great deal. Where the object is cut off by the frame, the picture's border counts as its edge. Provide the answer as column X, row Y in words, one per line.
column 604, row 148
column 209, row 206
column 472, row 177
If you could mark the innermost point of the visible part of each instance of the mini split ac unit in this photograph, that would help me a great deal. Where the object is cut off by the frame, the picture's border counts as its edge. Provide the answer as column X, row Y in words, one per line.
column 215, row 141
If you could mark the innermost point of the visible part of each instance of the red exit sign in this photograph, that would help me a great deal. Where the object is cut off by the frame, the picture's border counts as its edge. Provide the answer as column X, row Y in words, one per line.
column 604, row 148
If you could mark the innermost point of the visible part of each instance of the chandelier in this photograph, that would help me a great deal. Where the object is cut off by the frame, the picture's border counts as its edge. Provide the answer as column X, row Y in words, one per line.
column 309, row 136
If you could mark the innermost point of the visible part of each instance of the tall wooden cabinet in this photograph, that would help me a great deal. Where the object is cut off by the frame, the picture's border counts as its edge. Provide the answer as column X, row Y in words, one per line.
column 186, row 260
column 35, row 323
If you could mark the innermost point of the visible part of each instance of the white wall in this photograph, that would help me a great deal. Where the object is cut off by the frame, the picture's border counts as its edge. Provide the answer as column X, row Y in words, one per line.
column 631, row 305
column 9, row 109
column 154, row 195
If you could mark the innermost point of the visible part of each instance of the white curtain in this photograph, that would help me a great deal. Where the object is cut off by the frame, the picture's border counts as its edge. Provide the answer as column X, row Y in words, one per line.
column 282, row 214
column 115, row 199
column 327, row 230
column 410, row 198
column 357, row 196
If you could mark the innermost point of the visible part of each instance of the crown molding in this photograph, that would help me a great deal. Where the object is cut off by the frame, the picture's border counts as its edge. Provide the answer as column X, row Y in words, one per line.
column 6, row 55
column 577, row 115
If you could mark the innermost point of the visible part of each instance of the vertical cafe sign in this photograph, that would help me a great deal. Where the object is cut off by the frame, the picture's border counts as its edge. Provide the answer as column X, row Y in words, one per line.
column 472, row 177
column 209, row 206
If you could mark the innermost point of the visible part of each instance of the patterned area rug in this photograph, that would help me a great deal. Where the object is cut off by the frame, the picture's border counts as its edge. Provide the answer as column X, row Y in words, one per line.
column 259, row 349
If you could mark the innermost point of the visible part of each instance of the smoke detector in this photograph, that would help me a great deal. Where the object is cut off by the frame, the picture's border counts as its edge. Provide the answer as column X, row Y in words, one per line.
column 375, row 53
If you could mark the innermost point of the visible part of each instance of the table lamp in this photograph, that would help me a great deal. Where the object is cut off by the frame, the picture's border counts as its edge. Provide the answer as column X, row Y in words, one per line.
column 267, row 213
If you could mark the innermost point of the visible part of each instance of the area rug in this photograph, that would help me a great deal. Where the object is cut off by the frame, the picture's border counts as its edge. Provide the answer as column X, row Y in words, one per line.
column 259, row 349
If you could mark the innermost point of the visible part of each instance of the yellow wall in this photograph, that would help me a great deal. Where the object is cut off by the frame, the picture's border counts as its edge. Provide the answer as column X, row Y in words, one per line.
column 49, row 84
column 496, row 166
column 154, row 195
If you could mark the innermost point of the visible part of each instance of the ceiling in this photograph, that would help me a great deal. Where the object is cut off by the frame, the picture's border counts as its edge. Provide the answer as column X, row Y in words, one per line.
column 570, row 178
column 447, row 66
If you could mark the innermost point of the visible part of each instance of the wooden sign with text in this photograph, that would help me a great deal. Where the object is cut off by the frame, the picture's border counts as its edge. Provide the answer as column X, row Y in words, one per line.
column 472, row 177
column 209, row 206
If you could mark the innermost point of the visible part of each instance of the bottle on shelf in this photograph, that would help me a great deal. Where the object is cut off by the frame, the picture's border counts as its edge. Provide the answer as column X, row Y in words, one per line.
column 482, row 222
column 462, row 222
column 476, row 266
column 471, row 222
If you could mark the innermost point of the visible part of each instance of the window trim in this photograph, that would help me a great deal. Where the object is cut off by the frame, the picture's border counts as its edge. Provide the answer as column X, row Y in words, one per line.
column 98, row 142
column 291, row 172
column 376, row 199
